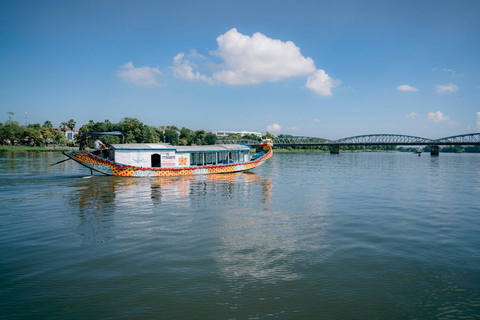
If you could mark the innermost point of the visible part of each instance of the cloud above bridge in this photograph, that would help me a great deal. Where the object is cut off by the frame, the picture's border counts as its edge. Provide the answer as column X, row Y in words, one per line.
column 251, row 60
column 321, row 83
column 413, row 116
column 183, row 69
column 437, row 117
column 453, row 73
column 406, row 88
column 274, row 128
column 446, row 88
column 143, row 76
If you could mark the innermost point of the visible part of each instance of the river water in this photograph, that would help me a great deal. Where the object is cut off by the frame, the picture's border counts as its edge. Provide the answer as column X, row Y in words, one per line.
column 310, row 236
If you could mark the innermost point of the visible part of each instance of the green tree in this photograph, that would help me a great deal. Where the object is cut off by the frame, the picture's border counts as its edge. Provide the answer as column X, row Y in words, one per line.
column 452, row 149
column 252, row 137
column 12, row 132
column 132, row 130
column 210, row 138
column 33, row 135
column 59, row 138
column 71, row 124
column 187, row 136
column 268, row 135
column 48, row 124
column 200, row 137
column 150, row 134
column 233, row 136
column 171, row 135
column 475, row 149
column 2, row 139
column 47, row 135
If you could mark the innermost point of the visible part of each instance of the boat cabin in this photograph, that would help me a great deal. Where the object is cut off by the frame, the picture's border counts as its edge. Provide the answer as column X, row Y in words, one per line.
column 163, row 155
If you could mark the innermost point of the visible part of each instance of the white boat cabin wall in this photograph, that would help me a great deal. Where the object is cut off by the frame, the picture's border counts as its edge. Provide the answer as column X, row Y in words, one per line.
column 167, row 156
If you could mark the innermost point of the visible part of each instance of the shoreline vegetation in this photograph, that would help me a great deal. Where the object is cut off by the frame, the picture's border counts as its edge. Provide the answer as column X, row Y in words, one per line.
column 47, row 138
column 7, row 148
column 35, row 149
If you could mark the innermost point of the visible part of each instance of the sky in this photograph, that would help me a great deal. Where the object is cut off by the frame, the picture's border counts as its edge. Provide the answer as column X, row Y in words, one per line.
column 328, row 69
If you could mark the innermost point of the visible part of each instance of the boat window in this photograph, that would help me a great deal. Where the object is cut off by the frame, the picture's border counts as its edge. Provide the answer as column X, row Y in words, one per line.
column 156, row 162
column 235, row 155
column 244, row 156
column 222, row 157
column 210, row 158
column 196, row 159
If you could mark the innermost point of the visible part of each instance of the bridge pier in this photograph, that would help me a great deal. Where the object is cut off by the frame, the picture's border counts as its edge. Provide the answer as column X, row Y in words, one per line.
column 434, row 150
column 334, row 149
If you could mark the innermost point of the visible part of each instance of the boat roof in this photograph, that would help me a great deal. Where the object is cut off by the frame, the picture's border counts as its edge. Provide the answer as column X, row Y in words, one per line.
column 113, row 133
column 143, row 146
column 212, row 148
column 167, row 146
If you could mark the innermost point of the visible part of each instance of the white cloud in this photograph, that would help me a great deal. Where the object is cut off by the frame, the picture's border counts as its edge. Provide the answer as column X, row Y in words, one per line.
column 251, row 60
column 183, row 69
column 406, row 88
column 446, row 88
column 437, row 116
column 316, row 120
column 144, row 76
column 274, row 127
column 321, row 83
column 248, row 60
column 478, row 121
column 453, row 73
column 413, row 115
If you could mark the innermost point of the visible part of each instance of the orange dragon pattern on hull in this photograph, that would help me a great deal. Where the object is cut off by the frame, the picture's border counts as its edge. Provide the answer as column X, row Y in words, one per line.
column 114, row 169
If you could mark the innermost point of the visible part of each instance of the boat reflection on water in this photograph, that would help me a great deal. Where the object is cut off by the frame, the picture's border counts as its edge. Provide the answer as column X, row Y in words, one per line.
column 101, row 202
column 102, row 194
column 267, row 187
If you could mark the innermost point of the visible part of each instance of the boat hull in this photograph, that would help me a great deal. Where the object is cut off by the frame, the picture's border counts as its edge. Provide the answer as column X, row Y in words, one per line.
column 112, row 168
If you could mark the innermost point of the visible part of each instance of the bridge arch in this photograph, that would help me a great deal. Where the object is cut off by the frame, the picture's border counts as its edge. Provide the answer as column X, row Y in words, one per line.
column 469, row 138
column 383, row 139
column 368, row 139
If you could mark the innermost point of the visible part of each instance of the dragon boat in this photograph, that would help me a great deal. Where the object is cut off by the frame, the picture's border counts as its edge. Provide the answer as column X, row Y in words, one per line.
column 165, row 160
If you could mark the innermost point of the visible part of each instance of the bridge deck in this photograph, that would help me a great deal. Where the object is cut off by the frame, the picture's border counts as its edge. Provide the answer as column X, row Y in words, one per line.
column 371, row 140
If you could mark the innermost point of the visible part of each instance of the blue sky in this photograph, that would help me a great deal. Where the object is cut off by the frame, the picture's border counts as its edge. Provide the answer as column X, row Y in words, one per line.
column 327, row 69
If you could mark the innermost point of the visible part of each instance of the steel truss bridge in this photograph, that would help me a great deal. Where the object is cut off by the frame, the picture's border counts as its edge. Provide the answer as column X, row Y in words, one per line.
column 470, row 139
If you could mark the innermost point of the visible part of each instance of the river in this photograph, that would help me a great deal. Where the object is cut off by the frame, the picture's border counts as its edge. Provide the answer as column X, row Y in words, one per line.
column 310, row 236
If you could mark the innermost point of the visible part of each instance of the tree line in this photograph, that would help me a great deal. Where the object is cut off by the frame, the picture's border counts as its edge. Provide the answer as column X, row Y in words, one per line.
column 134, row 131
column 11, row 132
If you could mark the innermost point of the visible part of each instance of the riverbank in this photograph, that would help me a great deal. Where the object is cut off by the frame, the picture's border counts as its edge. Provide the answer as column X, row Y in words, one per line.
column 36, row 149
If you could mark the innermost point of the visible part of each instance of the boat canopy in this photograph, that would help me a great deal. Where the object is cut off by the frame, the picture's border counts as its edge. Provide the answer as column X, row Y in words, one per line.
column 180, row 149
column 113, row 133
column 143, row 146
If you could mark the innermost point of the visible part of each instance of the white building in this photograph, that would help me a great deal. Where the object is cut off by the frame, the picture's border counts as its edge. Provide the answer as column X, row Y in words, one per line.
column 69, row 133
column 222, row 134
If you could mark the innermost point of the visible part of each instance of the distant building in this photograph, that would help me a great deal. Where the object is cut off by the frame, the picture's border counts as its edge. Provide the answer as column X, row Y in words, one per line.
column 223, row 134
column 69, row 133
